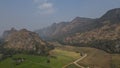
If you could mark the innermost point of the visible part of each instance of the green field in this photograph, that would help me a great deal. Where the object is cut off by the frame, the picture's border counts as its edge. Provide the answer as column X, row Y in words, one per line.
column 72, row 66
column 62, row 56
column 96, row 58
column 58, row 60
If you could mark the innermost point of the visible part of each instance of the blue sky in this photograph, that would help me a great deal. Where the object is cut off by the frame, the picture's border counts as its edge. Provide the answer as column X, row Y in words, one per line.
column 35, row 14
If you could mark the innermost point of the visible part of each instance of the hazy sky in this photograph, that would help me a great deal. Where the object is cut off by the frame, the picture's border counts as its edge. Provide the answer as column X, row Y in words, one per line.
column 35, row 14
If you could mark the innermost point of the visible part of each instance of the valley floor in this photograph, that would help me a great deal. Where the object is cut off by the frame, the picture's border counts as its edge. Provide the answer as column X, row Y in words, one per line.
column 58, row 59
column 66, row 57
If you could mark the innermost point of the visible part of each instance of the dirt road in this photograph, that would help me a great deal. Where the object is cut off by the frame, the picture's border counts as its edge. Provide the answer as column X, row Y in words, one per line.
column 75, row 62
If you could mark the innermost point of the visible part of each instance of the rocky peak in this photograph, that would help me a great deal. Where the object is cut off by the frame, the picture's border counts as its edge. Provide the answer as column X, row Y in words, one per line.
column 24, row 40
column 112, row 15
column 13, row 29
column 24, row 30
column 7, row 32
column 80, row 20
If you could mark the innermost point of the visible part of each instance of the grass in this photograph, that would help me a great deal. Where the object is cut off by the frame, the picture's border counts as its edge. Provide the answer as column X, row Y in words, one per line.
column 115, row 61
column 72, row 66
column 96, row 58
column 0, row 55
column 63, row 57
column 30, row 62
column 6, row 63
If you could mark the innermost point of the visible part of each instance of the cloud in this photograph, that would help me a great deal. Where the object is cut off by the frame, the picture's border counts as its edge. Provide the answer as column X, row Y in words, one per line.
column 39, row 1
column 35, row 0
column 44, row 7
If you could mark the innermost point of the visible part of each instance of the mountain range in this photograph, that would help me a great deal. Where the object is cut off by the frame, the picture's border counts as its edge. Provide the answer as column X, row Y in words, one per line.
column 102, row 33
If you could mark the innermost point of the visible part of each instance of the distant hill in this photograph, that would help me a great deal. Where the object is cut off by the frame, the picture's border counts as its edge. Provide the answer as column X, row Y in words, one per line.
column 25, row 41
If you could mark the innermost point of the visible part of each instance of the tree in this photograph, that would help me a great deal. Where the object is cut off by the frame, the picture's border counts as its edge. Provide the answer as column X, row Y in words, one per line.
column 48, row 60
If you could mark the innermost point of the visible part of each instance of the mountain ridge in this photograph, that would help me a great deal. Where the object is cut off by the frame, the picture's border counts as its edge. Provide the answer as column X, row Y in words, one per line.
column 103, row 30
column 106, row 37
column 63, row 28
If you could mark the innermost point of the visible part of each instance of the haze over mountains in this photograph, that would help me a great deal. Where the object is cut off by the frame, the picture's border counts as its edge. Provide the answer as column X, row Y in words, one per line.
column 79, row 24
column 102, row 33
column 85, row 30
column 64, row 28
column 59, row 33
column 93, row 43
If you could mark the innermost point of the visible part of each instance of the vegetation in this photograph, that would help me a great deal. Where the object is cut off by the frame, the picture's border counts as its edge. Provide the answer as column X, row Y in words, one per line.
column 110, row 46
column 58, row 59
column 25, row 49
column 102, row 33
column 96, row 58
column 115, row 62
column 61, row 56
column 72, row 66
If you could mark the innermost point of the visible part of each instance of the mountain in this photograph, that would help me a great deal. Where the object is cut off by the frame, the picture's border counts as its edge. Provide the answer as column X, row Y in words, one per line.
column 107, row 37
column 79, row 24
column 60, row 30
column 102, row 33
column 7, row 32
column 112, row 15
column 48, row 32
column 25, row 41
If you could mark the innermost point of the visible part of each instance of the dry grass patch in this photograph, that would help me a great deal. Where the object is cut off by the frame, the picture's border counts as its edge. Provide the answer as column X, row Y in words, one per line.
column 96, row 58
column 115, row 61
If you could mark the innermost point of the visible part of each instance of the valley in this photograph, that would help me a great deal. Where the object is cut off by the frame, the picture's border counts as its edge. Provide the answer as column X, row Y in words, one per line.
column 79, row 43
column 57, row 59
column 65, row 57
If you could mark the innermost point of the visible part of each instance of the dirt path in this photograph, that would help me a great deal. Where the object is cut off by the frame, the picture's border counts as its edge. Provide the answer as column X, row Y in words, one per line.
column 75, row 62
column 67, row 65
